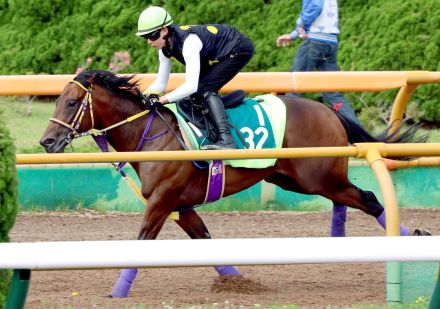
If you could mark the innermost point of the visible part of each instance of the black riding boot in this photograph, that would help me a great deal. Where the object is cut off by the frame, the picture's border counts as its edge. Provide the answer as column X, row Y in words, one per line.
column 215, row 105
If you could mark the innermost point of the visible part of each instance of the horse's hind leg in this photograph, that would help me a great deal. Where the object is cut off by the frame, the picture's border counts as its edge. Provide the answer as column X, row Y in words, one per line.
column 363, row 200
column 342, row 192
column 339, row 213
column 339, row 216
column 371, row 199
column 194, row 226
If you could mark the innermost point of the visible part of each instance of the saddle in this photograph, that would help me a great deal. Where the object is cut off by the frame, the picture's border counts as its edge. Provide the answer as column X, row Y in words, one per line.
column 258, row 123
column 196, row 112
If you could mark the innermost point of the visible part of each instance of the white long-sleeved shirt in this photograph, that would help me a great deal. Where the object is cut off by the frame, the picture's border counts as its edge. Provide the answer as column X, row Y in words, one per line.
column 191, row 54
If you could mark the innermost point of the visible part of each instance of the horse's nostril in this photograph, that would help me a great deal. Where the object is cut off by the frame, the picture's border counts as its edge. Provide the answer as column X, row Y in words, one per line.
column 47, row 142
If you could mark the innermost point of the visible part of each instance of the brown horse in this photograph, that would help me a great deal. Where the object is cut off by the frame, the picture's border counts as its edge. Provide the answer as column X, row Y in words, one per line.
column 179, row 185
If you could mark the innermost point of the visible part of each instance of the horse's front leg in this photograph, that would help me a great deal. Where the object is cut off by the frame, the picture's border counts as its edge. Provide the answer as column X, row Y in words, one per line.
column 154, row 218
column 194, row 226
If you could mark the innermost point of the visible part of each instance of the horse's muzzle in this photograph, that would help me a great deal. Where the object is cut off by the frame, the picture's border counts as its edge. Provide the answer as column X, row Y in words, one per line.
column 52, row 145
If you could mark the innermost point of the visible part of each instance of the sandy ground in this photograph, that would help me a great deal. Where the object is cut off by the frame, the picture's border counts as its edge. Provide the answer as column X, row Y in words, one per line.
column 307, row 285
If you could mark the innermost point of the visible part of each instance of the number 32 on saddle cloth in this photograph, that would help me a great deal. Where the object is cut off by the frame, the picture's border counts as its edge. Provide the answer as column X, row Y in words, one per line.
column 260, row 121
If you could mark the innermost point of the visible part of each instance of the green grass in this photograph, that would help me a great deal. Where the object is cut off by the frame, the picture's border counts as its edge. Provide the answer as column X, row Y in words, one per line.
column 27, row 122
column 256, row 306
column 434, row 136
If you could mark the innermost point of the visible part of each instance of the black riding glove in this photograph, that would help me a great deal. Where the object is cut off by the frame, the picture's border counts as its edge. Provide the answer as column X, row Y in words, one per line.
column 151, row 100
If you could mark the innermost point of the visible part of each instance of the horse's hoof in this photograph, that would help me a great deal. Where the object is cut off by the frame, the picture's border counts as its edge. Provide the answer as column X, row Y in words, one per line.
column 421, row 232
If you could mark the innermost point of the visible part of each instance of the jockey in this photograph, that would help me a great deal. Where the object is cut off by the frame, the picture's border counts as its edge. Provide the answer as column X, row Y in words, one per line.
column 212, row 54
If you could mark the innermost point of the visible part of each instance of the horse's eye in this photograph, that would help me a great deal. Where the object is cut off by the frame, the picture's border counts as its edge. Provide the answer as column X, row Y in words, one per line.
column 71, row 103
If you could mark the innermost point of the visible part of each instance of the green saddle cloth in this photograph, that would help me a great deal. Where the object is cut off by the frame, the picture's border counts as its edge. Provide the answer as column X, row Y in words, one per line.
column 261, row 122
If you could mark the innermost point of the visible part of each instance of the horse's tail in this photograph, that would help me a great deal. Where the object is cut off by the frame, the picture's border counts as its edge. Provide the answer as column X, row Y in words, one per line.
column 357, row 134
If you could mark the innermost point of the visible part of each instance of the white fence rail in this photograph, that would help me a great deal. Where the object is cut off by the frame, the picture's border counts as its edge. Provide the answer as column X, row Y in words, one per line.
column 210, row 252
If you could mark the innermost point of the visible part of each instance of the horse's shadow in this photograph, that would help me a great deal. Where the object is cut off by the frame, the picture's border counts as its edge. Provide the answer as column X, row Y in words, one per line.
column 238, row 284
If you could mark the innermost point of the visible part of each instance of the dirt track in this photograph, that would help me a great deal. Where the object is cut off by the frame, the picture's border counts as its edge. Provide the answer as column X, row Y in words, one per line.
column 310, row 286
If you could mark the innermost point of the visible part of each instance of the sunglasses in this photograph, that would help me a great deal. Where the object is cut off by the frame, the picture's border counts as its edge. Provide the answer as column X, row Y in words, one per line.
column 153, row 36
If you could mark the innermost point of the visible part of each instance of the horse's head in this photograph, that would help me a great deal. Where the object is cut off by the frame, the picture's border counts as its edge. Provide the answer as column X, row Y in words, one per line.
column 75, row 108
column 67, row 119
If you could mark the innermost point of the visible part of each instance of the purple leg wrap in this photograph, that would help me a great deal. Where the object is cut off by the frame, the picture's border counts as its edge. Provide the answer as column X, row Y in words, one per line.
column 227, row 271
column 123, row 284
column 382, row 221
column 339, row 216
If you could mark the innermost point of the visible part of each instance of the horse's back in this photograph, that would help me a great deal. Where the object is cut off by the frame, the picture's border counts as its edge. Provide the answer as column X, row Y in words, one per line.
column 311, row 124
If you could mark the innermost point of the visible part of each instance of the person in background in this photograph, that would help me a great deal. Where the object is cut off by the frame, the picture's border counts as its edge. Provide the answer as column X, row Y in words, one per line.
column 317, row 26
column 212, row 54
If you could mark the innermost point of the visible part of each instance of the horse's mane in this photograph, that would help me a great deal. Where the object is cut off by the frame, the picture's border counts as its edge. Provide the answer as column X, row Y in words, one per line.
column 123, row 86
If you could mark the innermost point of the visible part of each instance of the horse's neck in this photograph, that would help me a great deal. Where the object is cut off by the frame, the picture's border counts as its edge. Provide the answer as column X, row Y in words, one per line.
column 127, row 137
column 109, row 111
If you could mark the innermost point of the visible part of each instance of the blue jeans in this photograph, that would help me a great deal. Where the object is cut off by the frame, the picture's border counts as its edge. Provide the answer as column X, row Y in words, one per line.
column 320, row 56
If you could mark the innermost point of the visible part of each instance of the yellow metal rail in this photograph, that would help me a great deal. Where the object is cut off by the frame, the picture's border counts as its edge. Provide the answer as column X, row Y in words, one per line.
column 279, row 82
column 358, row 150
column 373, row 152
column 275, row 82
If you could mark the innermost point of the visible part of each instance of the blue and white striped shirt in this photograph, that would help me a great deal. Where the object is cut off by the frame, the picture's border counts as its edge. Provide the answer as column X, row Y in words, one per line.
column 319, row 18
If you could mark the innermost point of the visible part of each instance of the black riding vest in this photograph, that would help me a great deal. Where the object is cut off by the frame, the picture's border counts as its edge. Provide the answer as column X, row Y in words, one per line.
column 218, row 41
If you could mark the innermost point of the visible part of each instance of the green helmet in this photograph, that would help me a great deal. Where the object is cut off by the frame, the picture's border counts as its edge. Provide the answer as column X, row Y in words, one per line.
column 153, row 18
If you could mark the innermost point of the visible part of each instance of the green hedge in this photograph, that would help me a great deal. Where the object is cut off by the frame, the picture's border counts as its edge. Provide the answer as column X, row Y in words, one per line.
column 8, row 198
column 56, row 36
